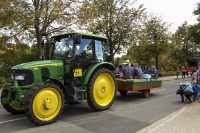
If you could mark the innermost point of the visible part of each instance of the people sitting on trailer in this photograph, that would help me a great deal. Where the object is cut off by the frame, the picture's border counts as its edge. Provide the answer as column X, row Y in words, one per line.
column 127, row 71
column 119, row 71
column 137, row 72
column 145, row 70
column 153, row 72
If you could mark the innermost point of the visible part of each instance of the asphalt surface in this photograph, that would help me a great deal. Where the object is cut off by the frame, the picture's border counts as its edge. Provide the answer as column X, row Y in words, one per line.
column 184, row 120
column 128, row 114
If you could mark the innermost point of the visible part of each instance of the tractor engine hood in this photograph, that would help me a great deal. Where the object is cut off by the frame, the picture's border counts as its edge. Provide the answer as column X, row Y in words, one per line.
column 37, row 64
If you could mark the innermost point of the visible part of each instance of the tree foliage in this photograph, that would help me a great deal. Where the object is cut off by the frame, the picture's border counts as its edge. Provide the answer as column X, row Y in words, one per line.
column 189, row 42
column 38, row 18
column 117, row 21
column 18, row 54
column 153, row 39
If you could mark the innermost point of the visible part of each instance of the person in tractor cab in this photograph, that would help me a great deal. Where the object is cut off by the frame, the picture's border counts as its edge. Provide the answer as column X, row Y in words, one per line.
column 86, row 50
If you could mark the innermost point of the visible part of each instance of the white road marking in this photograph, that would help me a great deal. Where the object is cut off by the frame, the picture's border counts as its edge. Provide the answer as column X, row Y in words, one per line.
column 159, row 90
column 13, row 120
column 162, row 124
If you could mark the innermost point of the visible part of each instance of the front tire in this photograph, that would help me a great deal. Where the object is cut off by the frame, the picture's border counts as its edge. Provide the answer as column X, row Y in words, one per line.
column 8, row 107
column 101, row 90
column 44, row 103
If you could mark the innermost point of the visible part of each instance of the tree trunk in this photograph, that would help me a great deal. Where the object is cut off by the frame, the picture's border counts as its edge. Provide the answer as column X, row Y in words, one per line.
column 47, row 48
column 156, row 58
column 39, row 41
column 111, row 54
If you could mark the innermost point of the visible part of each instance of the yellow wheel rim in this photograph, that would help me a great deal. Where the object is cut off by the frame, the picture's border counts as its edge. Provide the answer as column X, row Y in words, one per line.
column 104, row 89
column 47, row 104
column 17, row 108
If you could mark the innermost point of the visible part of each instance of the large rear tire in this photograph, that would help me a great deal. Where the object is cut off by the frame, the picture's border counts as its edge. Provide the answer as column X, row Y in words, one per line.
column 8, row 107
column 44, row 103
column 101, row 89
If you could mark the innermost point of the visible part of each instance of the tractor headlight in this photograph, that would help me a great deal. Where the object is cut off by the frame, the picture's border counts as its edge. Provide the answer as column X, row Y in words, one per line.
column 12, row 77
column 19, row 77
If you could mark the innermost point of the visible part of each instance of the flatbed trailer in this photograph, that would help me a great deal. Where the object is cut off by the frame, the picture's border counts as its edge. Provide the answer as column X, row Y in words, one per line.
column 138, row 85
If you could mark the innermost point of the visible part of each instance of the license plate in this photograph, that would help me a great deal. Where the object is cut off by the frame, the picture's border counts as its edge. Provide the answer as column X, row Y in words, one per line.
column 77, row 72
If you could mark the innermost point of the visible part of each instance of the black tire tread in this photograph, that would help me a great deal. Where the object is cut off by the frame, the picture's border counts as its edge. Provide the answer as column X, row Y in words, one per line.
column 123, row 93
column 7, row 107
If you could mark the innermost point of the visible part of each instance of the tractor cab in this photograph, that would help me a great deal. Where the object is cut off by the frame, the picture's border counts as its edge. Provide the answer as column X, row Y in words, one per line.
column 78, row 51
column 78, row 44
column 66, row 48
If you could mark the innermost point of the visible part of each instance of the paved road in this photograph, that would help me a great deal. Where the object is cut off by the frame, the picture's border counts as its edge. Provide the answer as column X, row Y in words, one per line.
column 128, row 114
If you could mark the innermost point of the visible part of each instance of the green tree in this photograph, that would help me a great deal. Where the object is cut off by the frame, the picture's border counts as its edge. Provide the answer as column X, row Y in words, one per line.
column 117, row 21
column 38, row 18
column 153, row 38
column 197, row 11
column 186, row 34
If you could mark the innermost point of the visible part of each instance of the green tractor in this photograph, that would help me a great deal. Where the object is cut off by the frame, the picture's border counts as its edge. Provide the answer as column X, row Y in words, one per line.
column 78, row 70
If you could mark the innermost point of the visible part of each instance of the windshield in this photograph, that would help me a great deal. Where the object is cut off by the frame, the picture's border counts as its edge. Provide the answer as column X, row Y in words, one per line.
column 83, row 46
column 63, row 48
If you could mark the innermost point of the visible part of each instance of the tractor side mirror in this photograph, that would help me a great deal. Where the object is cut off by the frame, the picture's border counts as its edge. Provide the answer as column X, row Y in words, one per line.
column 77, row 39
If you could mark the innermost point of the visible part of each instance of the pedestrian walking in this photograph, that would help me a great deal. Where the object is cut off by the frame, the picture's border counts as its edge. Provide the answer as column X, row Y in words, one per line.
column 177, row 71
column 194, row 77
column 187, row 70
column 183, row 70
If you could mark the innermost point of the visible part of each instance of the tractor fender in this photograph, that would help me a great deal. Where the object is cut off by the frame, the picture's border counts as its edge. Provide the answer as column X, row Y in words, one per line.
column 57, row 82
column 91, row 70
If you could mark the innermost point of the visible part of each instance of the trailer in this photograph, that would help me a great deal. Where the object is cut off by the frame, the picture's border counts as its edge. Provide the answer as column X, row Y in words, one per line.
column 137, row 85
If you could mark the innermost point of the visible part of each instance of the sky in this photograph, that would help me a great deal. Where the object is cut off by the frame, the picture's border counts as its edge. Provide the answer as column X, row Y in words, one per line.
column 175, row 12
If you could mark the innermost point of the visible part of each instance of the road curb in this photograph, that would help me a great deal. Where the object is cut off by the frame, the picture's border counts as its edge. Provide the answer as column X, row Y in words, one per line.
column 163, row 121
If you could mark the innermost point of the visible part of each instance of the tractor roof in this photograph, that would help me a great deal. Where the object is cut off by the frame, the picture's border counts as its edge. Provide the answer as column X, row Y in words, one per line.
column 84, row 35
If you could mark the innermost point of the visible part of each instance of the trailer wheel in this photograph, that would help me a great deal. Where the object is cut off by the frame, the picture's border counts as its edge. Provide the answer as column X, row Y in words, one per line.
column 101, row 89
column 8, row 107
column 146, row 93
column 44, row 103
column 123, row 93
